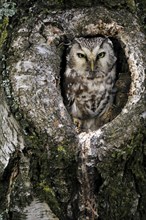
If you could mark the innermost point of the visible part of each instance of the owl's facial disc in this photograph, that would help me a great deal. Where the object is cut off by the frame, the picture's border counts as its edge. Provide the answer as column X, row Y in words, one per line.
column 88, row 60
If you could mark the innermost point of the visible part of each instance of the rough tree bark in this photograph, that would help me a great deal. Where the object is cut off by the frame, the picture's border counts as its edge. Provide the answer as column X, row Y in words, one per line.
column 49, row 171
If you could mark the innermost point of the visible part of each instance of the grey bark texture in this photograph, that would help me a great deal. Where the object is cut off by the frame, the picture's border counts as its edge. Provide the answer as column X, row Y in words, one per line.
column 48, row 170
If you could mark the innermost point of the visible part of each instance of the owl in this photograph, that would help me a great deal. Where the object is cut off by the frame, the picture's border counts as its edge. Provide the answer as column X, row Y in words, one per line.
column 89, row 80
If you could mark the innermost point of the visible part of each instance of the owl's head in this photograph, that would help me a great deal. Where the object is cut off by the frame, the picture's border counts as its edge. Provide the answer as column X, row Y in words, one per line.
column 92, row 56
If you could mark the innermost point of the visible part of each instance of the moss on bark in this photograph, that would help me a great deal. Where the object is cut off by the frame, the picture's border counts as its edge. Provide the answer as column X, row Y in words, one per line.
column 122, row 195
column 3, row 30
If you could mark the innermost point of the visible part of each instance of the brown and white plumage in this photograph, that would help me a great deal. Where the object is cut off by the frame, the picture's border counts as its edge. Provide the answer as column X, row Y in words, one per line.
column 89, row 79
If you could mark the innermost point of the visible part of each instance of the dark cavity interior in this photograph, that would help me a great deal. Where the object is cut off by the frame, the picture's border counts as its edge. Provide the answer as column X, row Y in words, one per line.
column 123, row 81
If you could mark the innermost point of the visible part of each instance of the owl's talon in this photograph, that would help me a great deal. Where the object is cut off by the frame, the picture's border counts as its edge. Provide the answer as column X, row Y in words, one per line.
column 78, row 124
column 107, row 116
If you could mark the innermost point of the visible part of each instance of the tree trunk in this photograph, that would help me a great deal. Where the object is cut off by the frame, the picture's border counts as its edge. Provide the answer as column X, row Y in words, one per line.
column 49, row 170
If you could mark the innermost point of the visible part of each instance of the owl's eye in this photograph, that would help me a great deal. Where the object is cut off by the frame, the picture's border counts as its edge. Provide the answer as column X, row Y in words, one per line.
column 101, row 55
column 81, row 55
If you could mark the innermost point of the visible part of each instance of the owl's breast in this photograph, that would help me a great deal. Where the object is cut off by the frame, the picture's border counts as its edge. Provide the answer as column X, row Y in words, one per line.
column 88, row 98
column 92, row 98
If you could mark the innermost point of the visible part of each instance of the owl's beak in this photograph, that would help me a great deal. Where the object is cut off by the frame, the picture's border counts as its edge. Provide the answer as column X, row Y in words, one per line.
column 92, row 65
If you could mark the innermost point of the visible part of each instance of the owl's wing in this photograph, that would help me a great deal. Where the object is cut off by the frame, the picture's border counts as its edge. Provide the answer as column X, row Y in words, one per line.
column 69, row 95
column 70, row 98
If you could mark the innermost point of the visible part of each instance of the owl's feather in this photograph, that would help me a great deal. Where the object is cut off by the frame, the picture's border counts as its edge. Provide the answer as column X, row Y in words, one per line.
column 89, row 79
